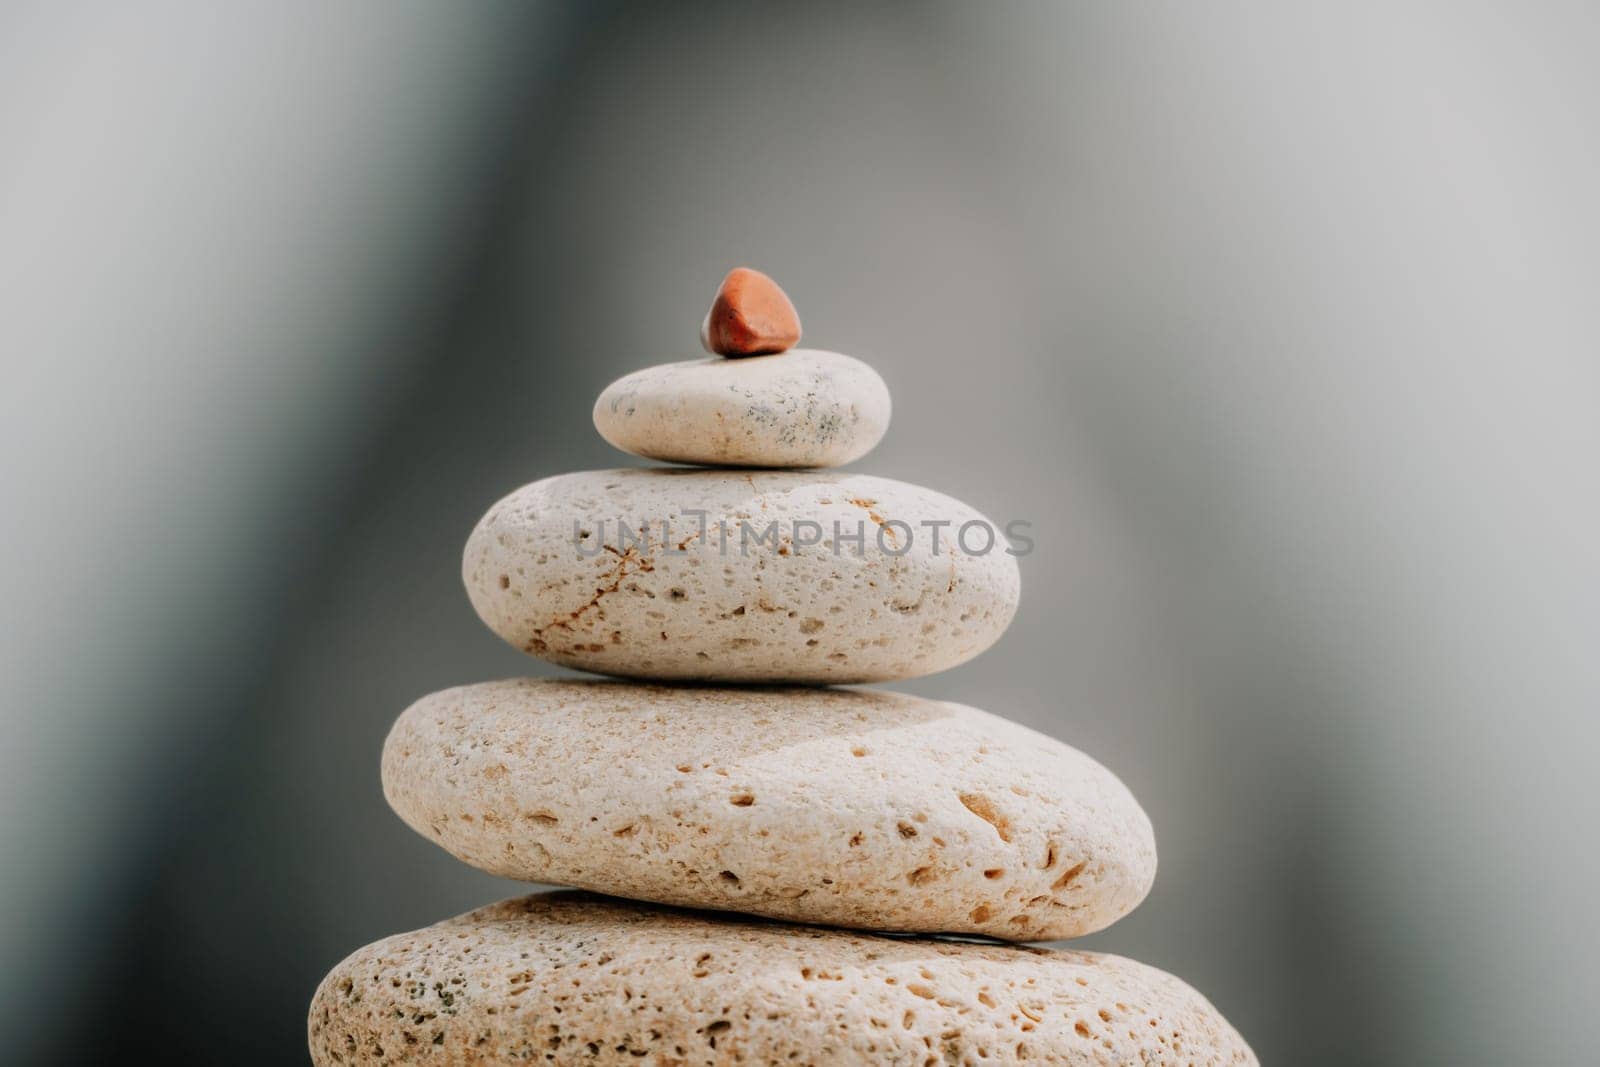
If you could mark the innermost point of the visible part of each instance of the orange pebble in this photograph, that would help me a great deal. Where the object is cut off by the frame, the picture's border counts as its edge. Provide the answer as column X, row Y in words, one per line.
column 750, row 316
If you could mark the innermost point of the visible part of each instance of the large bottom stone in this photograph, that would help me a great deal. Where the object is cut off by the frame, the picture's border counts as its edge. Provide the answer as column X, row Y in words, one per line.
column 566, row 978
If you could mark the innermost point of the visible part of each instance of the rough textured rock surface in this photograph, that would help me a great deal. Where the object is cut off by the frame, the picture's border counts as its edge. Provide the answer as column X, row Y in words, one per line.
column 800, row 409
column 564, row 978
column 848, row 807
column 551, row 569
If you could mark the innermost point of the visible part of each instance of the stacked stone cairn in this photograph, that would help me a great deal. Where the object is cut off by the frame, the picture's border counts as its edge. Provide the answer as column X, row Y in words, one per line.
column 823, row 837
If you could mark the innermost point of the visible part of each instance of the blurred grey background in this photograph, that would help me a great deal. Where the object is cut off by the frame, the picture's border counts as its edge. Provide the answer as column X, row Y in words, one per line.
column 1278, row 320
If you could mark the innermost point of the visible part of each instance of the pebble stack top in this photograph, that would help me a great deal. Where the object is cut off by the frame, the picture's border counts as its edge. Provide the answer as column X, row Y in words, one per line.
column 759, row 789
column 798, row 409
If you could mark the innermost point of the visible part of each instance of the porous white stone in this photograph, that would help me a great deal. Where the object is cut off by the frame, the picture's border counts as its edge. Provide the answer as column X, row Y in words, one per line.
column 803, row 408
column 565, row 978
column 854, row 808
column 670, row 573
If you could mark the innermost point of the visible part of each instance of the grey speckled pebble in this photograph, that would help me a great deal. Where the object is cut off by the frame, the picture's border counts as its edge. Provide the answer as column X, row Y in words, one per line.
column 856, row 808
column 803, row 408
column 550, row 570
column 564, row 978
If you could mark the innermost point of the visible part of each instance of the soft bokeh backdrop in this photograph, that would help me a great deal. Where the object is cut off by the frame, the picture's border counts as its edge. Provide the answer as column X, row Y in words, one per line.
column 1277, row 320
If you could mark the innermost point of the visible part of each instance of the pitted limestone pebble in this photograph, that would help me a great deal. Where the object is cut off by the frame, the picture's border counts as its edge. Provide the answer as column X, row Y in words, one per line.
column 800, row 409
column 566, row 978
column 741, row 576
column 854, row 808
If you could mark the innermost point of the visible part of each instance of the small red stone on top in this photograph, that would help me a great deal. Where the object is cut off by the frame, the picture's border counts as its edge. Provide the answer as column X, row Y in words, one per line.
column 750, row 316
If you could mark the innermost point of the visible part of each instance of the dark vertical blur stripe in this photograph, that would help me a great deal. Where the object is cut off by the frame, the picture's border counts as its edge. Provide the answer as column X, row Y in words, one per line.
column 200, row 949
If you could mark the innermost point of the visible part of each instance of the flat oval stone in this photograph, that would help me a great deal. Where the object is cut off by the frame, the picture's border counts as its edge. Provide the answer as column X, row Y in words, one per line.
column 713, row 576
column 567, row 978
column 852, row 808
column 803, row 408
